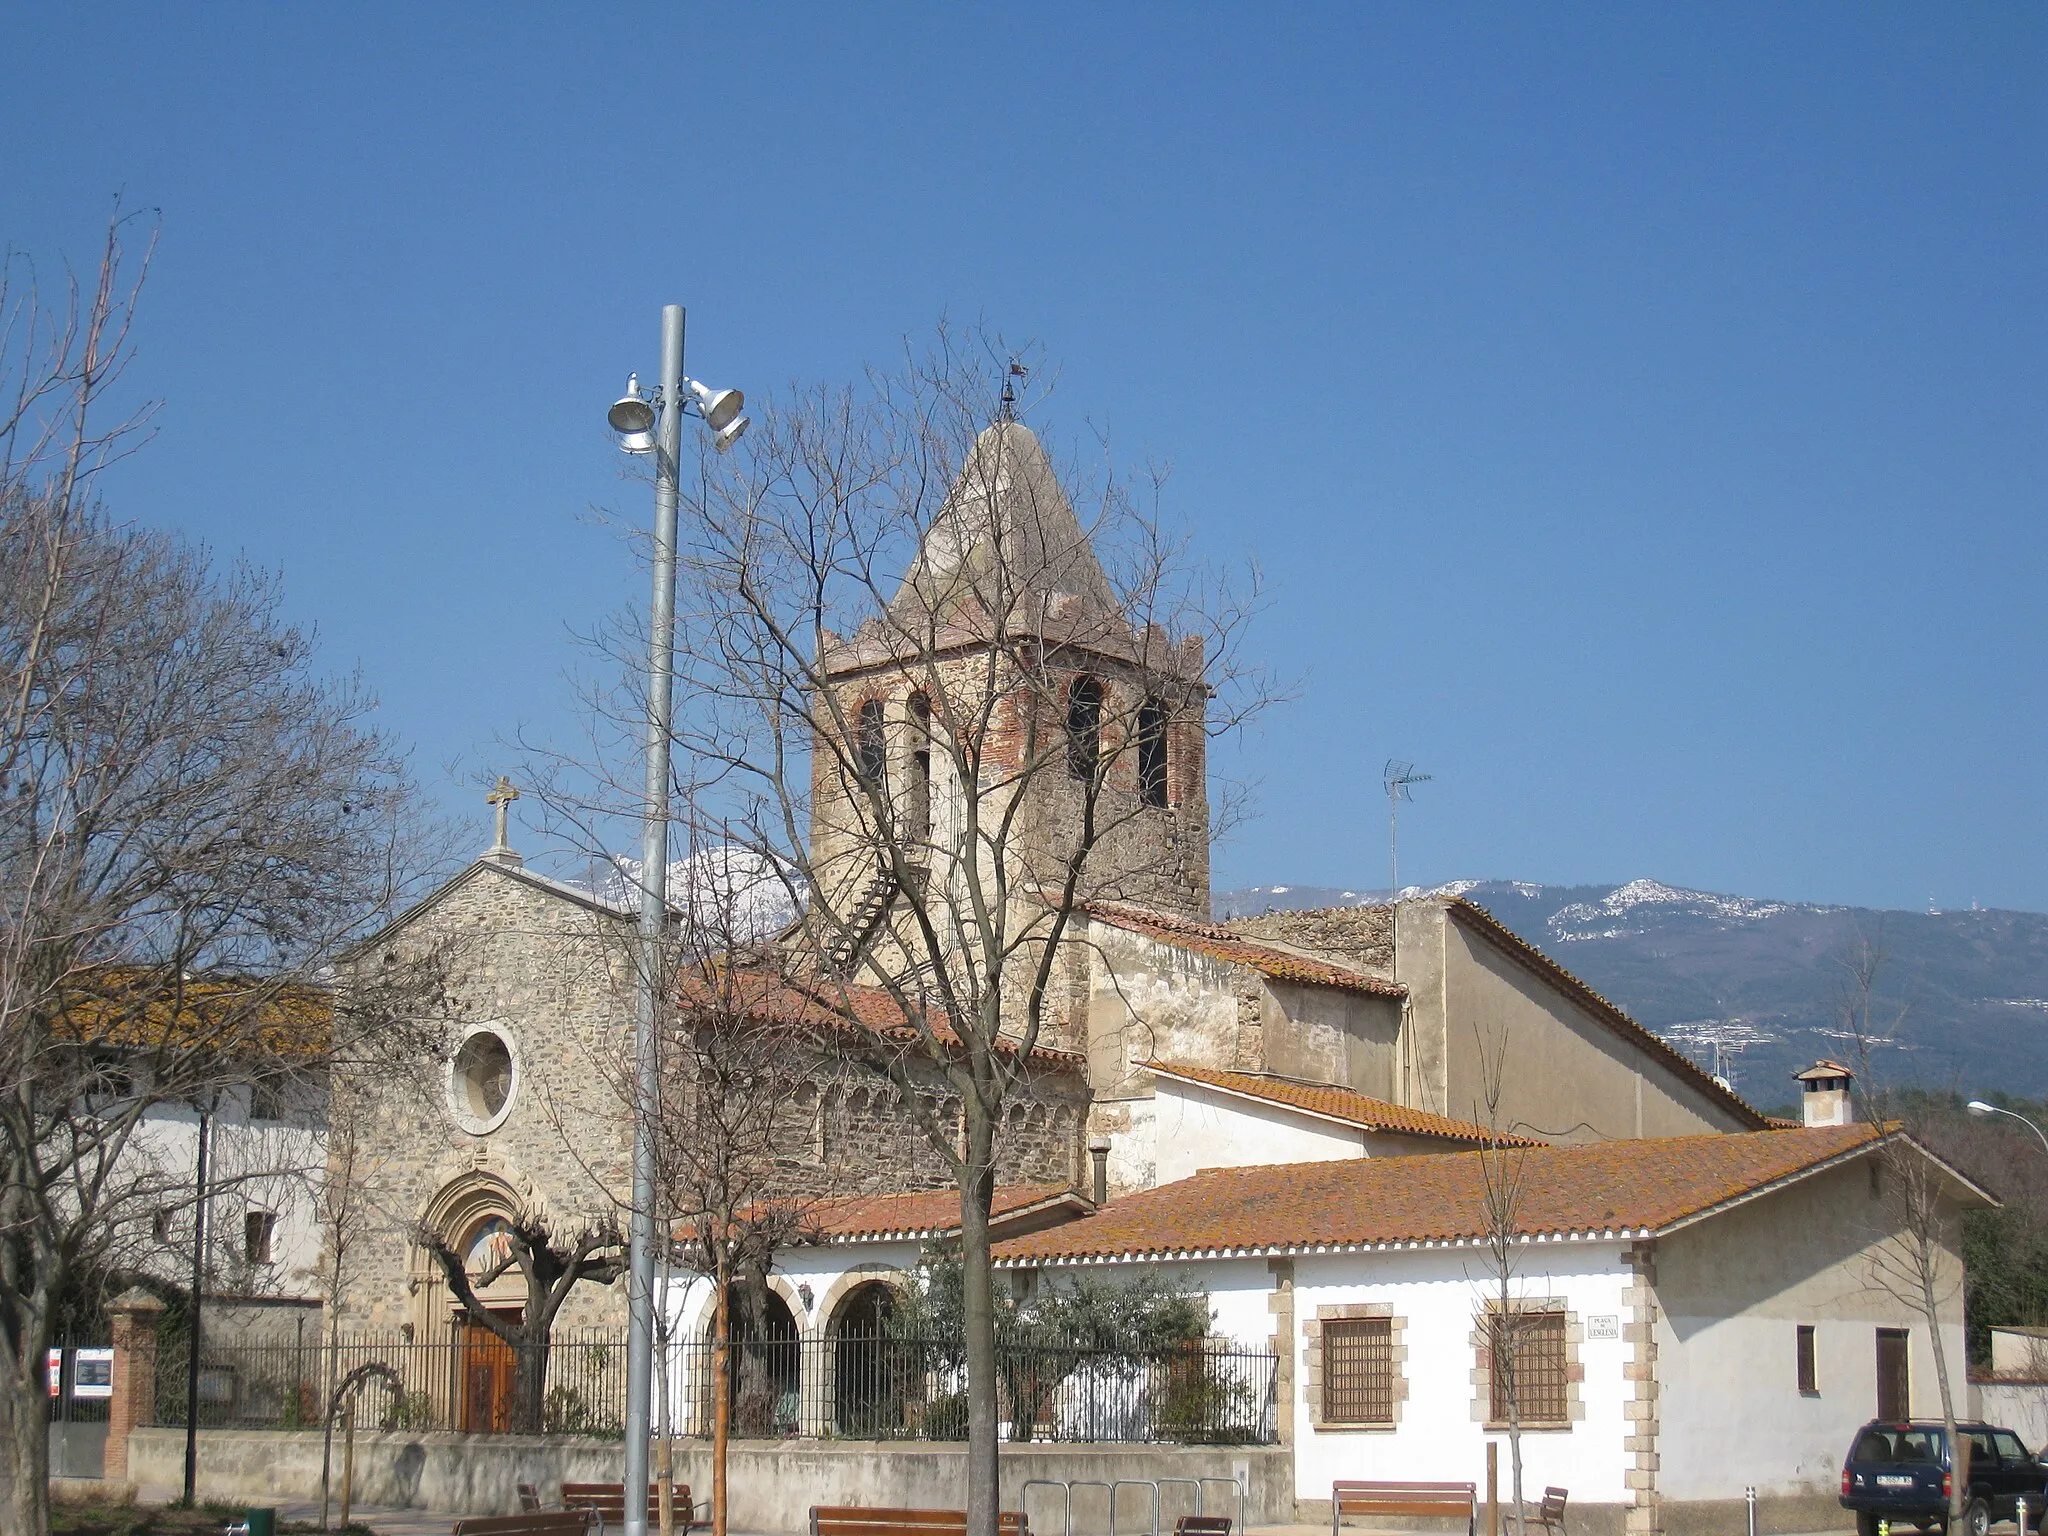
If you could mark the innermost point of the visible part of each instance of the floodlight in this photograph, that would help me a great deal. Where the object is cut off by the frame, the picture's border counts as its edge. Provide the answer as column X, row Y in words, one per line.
column 718, row 405
column 633, row 419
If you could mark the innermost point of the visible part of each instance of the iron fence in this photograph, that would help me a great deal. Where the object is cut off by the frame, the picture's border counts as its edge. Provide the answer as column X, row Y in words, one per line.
column 460, row 1383
column 863, row 1386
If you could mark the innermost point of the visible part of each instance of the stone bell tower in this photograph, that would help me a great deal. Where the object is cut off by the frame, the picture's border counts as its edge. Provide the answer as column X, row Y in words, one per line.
column 1007, row 638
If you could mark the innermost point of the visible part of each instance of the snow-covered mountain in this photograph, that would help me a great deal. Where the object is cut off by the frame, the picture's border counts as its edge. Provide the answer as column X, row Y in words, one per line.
column 732, row 894
column 1753, row 988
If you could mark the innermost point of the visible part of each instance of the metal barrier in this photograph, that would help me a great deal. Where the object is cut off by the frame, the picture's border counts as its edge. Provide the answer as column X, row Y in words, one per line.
column 1134, row 1482
column 1067, row 1486
column 1235, row 1485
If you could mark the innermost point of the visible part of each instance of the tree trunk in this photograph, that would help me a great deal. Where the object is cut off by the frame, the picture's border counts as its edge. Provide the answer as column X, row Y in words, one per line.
column 754, row 1403
column 530, row 1382
column 24, row 1445
column 978, row 1316
column 1958, row 1447
column 721, row 1396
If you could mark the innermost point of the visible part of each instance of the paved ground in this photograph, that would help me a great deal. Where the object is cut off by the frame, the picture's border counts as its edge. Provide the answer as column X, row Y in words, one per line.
column 380, row 1518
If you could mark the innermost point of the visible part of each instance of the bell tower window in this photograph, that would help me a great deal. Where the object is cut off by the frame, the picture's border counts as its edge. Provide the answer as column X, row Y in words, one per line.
column 1084, row 727
column 871, row 743
column 1152, row 753
column 920, row 808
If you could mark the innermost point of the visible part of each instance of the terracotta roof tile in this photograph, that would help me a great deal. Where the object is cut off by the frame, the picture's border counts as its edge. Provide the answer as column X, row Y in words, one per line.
column 929, row 1212
column 820, row 1003
column 1611, row 1187
column 1338, row 1103
column 1222, row 944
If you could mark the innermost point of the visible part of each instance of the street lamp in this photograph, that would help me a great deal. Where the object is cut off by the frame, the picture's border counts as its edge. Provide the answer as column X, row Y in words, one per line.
column 1979, row 1107
column 656, row 427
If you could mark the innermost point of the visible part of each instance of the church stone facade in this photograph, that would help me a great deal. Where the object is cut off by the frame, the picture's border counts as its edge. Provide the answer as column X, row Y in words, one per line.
column 527, row 1112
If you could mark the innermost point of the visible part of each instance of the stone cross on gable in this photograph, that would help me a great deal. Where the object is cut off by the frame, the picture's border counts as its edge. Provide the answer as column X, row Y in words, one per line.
column 500, row 799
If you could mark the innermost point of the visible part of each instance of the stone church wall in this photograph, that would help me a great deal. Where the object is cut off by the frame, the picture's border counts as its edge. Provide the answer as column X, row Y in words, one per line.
column 548, row 973
column 542, row 971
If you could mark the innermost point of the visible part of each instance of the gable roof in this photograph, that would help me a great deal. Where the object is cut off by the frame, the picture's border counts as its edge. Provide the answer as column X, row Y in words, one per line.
column 1612, row 1190
column 476, row 870
column 1331, row 1102
column 1511, row 944
column 933, row 1213
column 1222, row 944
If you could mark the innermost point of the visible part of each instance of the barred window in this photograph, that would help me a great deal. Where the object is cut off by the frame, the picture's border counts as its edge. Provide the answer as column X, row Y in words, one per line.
column 1358, row 1370
column 1529, row 1367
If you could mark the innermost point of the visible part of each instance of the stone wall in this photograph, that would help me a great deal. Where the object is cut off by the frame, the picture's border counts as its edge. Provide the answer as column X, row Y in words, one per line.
column 546, row 972
column 773, row 1483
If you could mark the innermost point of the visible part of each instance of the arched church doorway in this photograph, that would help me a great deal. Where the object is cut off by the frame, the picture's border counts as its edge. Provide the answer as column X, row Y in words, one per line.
column 767, row 1371
column 868, row 1365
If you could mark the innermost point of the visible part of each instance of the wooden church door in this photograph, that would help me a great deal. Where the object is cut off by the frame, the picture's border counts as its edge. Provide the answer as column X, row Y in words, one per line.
column 486, row 1380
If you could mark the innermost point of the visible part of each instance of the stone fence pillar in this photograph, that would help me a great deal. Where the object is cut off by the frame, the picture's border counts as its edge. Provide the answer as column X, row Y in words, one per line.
column 134, row 1314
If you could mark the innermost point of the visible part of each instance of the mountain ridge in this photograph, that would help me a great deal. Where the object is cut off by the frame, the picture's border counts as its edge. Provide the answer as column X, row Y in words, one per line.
column 1753, row 988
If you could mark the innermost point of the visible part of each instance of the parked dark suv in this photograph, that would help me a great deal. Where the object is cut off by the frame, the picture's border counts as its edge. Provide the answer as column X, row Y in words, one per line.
column 1902, row 1472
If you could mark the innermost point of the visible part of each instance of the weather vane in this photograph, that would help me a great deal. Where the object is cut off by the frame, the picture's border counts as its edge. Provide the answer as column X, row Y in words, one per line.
column 1008, row 410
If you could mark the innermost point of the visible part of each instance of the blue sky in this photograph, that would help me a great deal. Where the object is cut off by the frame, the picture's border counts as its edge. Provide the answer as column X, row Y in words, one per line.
column 1638, row 411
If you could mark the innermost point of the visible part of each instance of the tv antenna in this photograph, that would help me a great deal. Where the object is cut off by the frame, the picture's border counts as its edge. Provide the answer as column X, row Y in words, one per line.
column 1397, row 778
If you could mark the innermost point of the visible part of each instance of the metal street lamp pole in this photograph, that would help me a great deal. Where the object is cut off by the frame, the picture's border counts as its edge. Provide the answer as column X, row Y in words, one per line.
column 668, row 434
column 1979, row 1107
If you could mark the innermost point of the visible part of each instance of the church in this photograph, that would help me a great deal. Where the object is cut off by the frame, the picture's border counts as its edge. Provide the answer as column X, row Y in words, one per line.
column 1290, row 1108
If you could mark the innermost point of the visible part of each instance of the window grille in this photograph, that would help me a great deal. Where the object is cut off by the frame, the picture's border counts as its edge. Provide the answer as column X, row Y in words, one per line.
column 1358, row 1370
column 1530, row 1363
column 1809, row 1378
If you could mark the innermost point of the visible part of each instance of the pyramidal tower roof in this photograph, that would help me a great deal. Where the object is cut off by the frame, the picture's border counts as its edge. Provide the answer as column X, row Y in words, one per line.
column 1006, row 541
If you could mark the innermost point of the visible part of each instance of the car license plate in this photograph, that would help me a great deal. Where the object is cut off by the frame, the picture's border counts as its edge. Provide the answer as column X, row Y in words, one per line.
column 1894, row 1482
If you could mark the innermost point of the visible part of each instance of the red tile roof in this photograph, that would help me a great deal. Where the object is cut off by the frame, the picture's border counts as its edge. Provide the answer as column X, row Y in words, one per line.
column 931, row 1212
column 1613, row 1189
column 1222, row 944
column 823, row 1003
column 1335, row 1103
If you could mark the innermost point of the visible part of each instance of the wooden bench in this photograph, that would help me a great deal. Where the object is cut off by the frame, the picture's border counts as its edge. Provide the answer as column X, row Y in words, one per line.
column 1387, row 1500
column 533, row 1522
column 1202, row 1525
column 606, row 1503
column 1550, row 1513
column 855, row 1520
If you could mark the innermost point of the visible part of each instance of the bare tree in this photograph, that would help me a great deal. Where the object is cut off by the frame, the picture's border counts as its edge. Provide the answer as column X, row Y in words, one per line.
column 946, row 699
column 740, row 1079
column 1918, row 1261
column 1504, row 1314
column 742, row 1054
column 346, row 1214
column 954, row 763
column 551, row 1264
column 195, row 825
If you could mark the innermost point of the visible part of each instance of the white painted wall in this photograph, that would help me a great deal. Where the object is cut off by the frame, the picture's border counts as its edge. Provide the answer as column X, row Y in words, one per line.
column 1196, row 1127
column 2021, row 1406
column 1438, row 1292
column 253, row 1165
column 1732, row 1293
